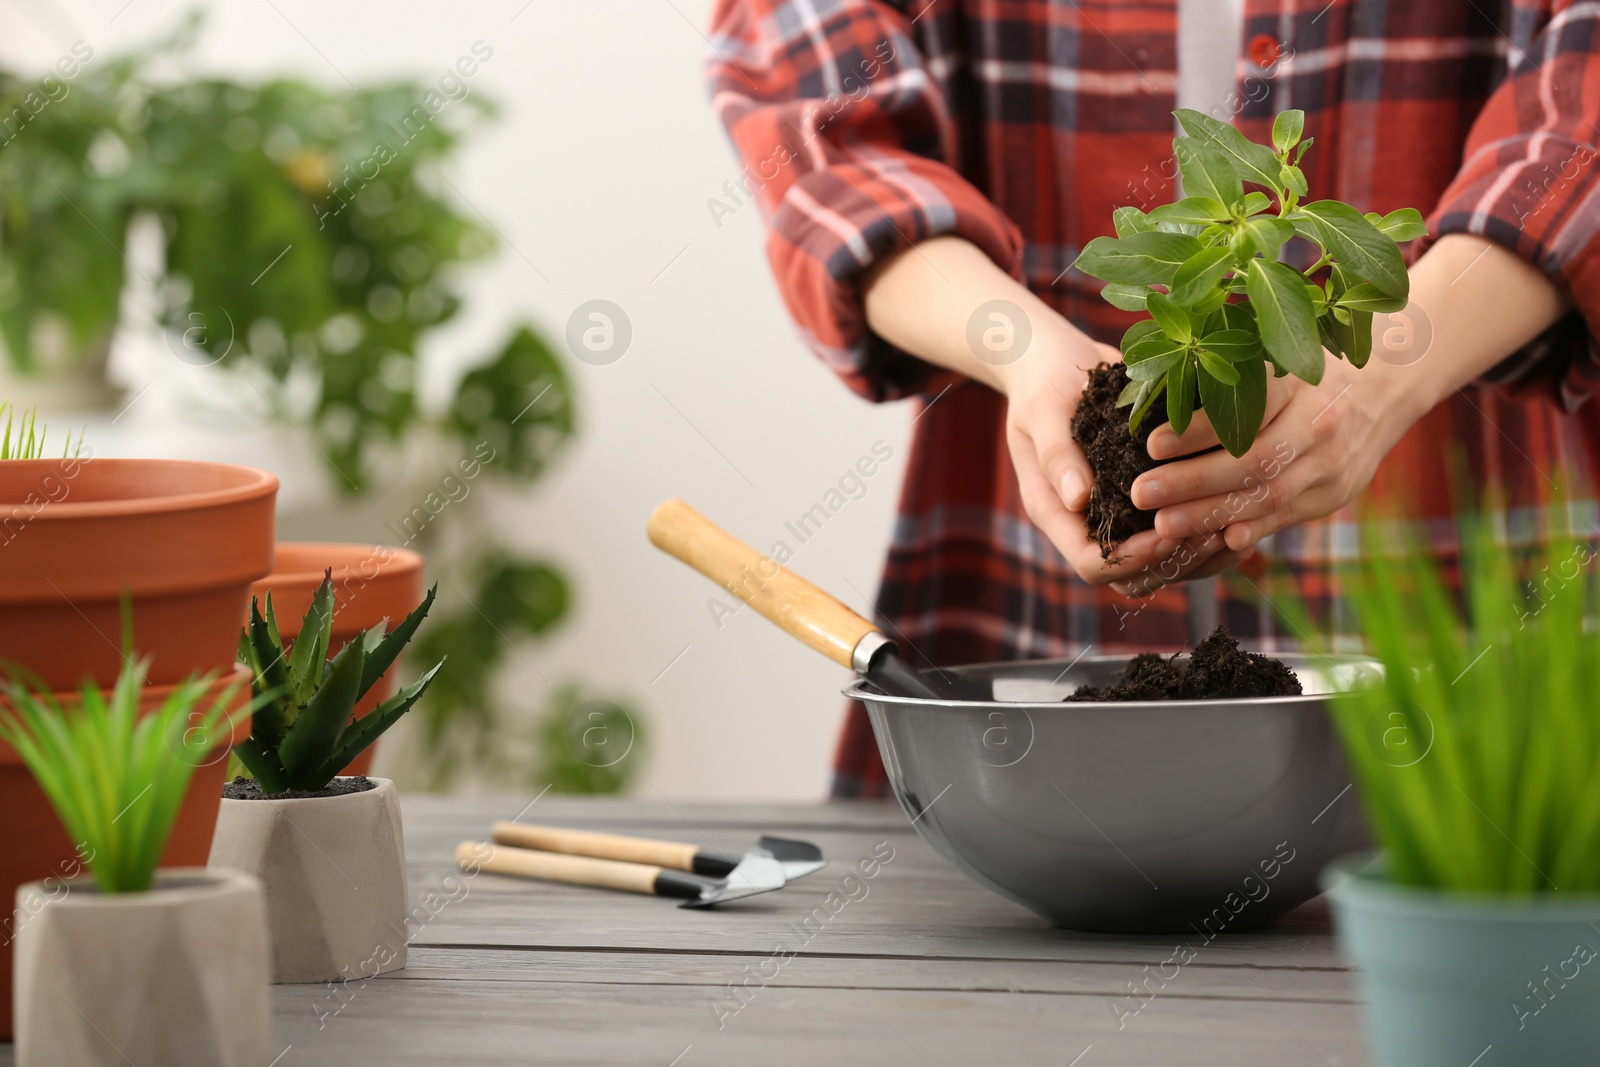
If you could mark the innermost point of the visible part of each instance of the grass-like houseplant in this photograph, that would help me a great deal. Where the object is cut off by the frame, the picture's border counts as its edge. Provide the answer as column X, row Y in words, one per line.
column 1478, row 760
column 1223, row 307
column 327, row 849
column 117, row 767
column 21, row 436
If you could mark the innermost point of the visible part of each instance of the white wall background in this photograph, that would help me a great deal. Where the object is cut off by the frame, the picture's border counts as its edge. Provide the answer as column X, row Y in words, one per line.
column 598, row 174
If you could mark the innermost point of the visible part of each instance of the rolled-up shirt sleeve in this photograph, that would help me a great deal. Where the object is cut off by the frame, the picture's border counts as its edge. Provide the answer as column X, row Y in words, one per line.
column 1530, row 181
column 846, row 144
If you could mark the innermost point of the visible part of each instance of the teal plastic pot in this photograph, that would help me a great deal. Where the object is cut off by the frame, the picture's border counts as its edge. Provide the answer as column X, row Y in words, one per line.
column 1469, row 980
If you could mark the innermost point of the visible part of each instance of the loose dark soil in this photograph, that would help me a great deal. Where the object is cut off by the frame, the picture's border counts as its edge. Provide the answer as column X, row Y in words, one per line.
column 250, row 789
column 1115, row 456
column 1217, row 669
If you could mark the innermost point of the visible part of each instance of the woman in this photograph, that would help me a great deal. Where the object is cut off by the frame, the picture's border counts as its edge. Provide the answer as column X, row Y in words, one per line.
column 920, row 160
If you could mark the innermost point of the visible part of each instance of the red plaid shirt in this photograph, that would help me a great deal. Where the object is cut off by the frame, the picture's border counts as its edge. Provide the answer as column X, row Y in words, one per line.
column 868, row 125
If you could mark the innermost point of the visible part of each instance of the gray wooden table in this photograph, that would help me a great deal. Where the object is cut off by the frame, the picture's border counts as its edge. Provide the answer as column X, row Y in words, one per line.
column 915, row 965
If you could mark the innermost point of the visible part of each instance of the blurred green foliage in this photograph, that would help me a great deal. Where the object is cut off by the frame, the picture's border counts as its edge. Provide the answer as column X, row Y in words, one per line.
column 305, row 238
column 308, row 248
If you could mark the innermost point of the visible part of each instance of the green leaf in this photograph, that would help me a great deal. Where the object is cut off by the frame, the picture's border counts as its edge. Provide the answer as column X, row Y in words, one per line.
column 1267, row 235
column 1140, row 259
column 1352, row 339
column 1152, row 347
column 367, row 729
column 1198, row 277
column 1255, row 163
column 1218, row 368
column 1294, row 179
column 1142, row 330
column 262, row 765
column 1125, row 297
column 1149, row 370
column 1235, row 346
column 311, row 646
column 1195, row 210
column 1402, row 224
column 1288, row 324
column 1365, row 252
column 1287, row 128
column 1130, row 220
column 1180, row 393
column 1255, row 203
column 385, row 652
column 1172, row 319
column 1131, row 393
column 1142, row 408
column 1206, row 171
column 1236, row 410
column 317, row 728
column 1368, row 297
column 273, row 718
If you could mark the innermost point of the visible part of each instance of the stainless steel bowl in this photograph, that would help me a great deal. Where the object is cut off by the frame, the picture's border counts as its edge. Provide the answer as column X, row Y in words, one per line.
column 1202, row 816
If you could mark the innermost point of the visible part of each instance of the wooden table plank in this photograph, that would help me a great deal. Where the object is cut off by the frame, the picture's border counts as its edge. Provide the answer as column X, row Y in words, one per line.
column 916, row 966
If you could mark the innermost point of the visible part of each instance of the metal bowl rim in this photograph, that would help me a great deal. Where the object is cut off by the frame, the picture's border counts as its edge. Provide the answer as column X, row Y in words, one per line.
column 857, row 689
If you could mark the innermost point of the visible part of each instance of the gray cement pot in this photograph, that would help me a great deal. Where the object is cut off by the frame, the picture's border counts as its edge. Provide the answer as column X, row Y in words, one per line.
column 178, row 974
column 333, row 870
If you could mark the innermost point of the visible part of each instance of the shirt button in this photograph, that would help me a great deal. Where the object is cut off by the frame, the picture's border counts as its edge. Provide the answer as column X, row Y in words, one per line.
column 1264, row 50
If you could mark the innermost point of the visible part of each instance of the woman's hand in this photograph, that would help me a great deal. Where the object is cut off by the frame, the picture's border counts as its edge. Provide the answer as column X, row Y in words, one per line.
column 923, row 300
column 1318, row 448
column 1042, row 389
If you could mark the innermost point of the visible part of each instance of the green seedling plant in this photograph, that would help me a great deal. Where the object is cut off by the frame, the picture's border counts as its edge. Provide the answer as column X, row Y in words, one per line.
column 23, row 438
column 1222, row 305
column 1478, row 756
column 116, row 779
column 304, row 730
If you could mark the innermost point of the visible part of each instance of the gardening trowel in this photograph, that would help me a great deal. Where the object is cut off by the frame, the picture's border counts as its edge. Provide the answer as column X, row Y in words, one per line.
column 757, row 872
column 798, row 858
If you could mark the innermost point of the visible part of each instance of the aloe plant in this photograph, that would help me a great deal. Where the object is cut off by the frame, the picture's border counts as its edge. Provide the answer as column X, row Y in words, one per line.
column 304, row 729
column 115, row 779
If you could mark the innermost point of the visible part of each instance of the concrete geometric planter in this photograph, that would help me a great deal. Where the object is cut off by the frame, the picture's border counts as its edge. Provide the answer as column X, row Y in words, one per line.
column 333, row 872
column 178, row 974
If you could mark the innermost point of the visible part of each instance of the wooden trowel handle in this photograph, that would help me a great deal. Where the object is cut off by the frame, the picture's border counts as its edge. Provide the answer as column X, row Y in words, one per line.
column 474, row 856
column 587, row 843
column 793, row 603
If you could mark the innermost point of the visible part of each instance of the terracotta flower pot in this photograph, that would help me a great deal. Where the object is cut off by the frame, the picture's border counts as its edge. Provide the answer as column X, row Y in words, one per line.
column 371, row 583
column 174, row 975
column 185, row 540
column 34, row 845
column 333, row 870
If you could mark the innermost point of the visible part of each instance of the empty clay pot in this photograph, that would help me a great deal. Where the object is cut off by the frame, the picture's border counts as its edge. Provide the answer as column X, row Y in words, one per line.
column 34, row 845
column 183, row 539
column 371, row 583
column 333, row 870
column 178, row 974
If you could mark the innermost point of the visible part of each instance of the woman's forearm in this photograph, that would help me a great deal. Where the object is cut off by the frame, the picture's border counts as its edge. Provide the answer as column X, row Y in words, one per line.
column 1473, row 303
column 924, row 299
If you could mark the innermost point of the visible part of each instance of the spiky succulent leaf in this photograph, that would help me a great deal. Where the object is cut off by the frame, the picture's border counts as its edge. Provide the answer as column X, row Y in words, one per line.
column 323, row 718
column 273, row 718
column 262, row 764
column 310, row 650
column 387, row 650
column 367, row 729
